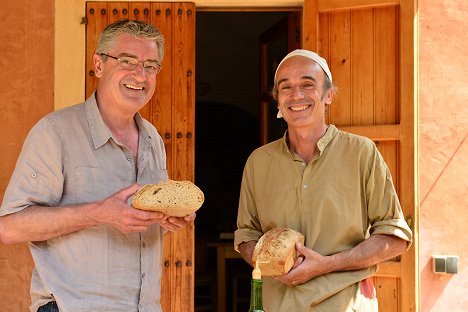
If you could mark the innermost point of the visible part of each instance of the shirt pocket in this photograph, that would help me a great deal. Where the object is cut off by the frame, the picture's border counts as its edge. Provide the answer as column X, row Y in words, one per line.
column 92, row 183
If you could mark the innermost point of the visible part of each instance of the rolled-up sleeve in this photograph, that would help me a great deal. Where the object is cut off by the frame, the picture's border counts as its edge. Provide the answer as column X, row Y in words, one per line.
column 384, row 209
column 37, row 178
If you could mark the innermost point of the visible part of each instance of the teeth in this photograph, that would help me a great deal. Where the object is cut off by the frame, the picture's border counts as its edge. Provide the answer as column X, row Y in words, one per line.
column 299, row 108
column 133, row 87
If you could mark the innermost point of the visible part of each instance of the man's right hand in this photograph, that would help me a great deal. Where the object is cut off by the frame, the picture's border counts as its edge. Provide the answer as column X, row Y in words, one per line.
column 246, row 250
column 41, row 223
column 115, row 211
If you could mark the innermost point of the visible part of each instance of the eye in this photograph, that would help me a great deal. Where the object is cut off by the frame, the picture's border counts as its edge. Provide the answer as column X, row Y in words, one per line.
column 128, row 62
column 152, row 67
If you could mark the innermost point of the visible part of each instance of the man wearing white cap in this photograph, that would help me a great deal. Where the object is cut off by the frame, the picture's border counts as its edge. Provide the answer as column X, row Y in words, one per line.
column 334, row 187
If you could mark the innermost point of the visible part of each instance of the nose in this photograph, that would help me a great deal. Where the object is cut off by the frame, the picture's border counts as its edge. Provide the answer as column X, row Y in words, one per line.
column 139, row 72
column 296, row 92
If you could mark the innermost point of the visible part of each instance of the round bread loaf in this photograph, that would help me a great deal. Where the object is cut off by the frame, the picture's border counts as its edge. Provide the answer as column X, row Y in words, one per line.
column 173, row 198
column 276, row 251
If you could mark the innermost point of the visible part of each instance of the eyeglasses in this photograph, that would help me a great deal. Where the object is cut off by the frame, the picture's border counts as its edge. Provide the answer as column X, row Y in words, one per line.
column 130, row 63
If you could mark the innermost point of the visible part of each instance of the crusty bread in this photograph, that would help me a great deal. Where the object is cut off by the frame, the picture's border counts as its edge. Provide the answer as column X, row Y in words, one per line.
column 276, row 251
column 173, row 198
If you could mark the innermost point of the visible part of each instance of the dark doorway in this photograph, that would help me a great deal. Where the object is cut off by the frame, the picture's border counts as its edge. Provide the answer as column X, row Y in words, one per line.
column 227, row 127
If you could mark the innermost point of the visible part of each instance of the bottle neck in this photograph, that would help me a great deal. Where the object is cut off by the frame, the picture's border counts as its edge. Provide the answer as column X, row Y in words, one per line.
column 256, row 300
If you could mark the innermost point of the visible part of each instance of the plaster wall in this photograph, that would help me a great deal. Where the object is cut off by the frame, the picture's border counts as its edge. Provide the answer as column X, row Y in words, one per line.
column 26, row 90
column 443, row 158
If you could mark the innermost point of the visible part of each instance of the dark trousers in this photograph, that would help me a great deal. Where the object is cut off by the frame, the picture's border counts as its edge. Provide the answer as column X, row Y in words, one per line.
column 49, row 307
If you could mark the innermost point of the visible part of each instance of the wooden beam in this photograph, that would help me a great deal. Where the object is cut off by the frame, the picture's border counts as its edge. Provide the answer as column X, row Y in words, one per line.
column 375, row 133
column 310, row 25
column 338, row 5
column 409, row 291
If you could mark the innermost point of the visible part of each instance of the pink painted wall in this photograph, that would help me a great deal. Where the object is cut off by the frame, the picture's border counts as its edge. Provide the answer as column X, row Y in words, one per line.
column 443, row 158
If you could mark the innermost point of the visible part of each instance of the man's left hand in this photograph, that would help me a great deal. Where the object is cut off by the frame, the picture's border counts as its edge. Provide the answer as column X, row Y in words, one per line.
column 308, row 265
column 174, row 224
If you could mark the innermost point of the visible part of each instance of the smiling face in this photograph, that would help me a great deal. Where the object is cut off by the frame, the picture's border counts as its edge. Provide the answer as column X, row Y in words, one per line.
column 301, row 96
column 125, row 89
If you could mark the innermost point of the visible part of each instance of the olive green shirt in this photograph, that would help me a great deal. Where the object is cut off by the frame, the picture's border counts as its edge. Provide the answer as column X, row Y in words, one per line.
column 344, row 194
column 70, row 157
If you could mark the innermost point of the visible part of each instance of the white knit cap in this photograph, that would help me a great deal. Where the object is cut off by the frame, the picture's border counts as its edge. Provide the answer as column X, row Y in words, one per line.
column 311, row 55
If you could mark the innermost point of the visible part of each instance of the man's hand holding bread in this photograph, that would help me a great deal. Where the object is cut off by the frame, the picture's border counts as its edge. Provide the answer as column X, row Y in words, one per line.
column 176, row 200
column 173, row 210
column 281, row 253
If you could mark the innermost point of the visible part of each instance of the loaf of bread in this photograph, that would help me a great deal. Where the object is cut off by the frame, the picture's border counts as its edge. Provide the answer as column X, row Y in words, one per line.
column 276, row 251
column 173, row 198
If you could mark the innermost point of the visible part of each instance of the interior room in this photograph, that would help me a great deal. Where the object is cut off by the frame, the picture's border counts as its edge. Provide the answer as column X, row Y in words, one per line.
column 228, row 128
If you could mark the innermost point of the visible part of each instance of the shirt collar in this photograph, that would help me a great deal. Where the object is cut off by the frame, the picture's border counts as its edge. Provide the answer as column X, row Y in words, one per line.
column 100, row 133
column 327, row 138
column 143, row 129
column 321, row 144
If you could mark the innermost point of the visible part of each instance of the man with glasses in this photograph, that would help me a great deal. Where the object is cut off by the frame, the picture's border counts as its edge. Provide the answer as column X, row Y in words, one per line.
column 68, row 195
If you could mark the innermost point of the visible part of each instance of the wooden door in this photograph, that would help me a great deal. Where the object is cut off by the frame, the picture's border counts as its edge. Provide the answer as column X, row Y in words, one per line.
column 370, row 48
column 171, row 110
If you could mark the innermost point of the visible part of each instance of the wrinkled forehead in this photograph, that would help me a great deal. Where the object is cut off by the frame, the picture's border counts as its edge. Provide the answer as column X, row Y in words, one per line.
column 299, row 67
column 137, row 46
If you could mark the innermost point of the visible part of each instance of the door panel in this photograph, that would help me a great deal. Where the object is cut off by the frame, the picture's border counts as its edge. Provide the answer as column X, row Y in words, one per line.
column 340, row 22
column 171, row 110
column 386, row 65
column 369, row 46
column 361, row 54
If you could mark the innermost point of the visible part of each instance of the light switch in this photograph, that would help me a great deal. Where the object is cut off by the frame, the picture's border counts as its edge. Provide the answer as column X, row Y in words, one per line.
column 452, row 264
column 442, row 264
column 439, row 263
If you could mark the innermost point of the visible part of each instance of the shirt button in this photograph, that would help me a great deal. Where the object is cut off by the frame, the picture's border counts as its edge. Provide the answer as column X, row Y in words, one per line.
column 306, row 186
column 143, row 245
column 34, row 175
column 129, row 158
column 143, row 275
column 303, row 164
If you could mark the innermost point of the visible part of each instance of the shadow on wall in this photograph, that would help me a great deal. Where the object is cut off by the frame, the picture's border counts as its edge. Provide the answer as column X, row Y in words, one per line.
column 225, row 137
column 438, row 282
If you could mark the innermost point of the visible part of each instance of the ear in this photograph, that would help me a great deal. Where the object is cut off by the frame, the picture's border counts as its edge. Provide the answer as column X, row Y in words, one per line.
column 98, row 65
column 329, row 96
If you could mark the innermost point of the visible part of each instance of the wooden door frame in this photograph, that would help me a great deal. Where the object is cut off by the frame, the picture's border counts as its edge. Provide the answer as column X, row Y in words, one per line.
column 406, row 132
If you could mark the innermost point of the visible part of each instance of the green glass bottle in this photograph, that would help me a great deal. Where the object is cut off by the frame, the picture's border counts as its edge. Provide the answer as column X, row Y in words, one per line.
column 256, row 300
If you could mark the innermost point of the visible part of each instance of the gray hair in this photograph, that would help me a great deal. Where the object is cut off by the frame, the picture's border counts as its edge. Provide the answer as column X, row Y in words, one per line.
column 140, row 29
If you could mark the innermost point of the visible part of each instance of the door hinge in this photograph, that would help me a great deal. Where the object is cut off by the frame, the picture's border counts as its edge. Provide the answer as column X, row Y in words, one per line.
column 84, row 20
column 409, row 221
